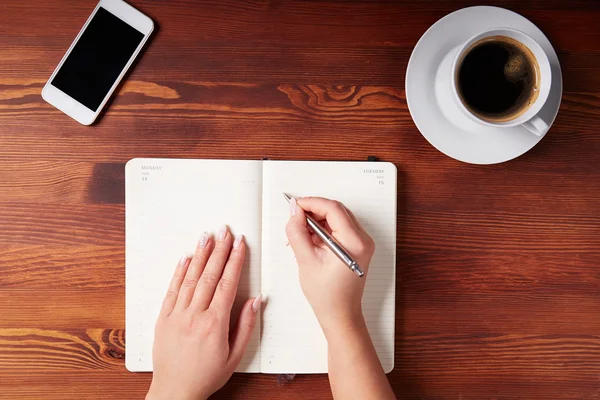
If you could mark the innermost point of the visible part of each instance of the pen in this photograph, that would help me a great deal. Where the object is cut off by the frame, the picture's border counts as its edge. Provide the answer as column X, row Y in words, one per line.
column 333, row 244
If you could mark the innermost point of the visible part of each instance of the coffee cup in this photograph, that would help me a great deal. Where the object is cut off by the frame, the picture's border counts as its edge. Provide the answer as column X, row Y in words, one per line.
column 500, row 78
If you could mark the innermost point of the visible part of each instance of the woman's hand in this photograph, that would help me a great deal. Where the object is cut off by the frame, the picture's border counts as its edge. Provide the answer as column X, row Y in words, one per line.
column 332, row 289
column 335, row 294
column 194, row 353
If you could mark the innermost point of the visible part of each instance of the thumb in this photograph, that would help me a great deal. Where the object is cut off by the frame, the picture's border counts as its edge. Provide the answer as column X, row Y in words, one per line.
column 243, row 331
column 297, row 233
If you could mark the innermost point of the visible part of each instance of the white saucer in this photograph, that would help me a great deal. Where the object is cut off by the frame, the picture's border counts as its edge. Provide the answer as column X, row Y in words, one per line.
column 482, row 145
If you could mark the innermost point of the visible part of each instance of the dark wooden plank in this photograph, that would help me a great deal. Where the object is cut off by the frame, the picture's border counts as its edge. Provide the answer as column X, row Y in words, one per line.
column 119, row 385
column 538, row 313
column 526, row 273
column 36, row 180
column 468, row 357
column 308, row 64
column 48, row 266
column 503, row 231
column 535, row 313
column 427, row 187
column 359, row 105
column 71, row 267
column 36, row 223
column 214, row 123
column 347, row 23
column 58, row 308
column 45, row 349
column 75, row 385
column 419, row 228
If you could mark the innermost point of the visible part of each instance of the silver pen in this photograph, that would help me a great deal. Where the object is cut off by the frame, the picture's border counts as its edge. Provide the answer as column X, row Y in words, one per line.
column 333, row 244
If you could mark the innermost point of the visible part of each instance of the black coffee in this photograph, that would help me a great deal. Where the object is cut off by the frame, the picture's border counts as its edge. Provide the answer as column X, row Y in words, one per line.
column 497, row 78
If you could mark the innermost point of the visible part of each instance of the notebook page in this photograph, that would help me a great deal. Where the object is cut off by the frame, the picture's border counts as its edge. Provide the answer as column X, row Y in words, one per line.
column 292, row 341
column 169, row 203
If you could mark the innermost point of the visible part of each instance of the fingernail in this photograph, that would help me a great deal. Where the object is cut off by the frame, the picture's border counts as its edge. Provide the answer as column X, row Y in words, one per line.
column 238, row 241
column 293, row 206
column 182, row 260
column 203, row 240
column 256, row 303
column 222, row 232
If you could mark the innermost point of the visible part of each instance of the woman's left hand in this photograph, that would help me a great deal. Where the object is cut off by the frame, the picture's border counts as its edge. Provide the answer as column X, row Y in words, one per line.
column 194, row 353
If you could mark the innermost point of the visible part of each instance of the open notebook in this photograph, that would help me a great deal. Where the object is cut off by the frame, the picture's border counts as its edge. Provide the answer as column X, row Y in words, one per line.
column 170, row 202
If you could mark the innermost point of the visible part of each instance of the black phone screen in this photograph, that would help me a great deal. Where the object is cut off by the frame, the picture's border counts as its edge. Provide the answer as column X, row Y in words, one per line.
column 97, row 59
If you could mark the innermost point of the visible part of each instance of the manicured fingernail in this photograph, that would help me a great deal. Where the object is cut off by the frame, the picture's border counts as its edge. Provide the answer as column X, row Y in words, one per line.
column 182, row 260
column 293, row 206
column 203, row 240
column 238, row 241
column 256, row 303
column 222, row 232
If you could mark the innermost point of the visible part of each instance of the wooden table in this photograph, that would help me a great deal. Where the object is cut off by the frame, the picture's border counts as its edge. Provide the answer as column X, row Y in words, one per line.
column 498, row 279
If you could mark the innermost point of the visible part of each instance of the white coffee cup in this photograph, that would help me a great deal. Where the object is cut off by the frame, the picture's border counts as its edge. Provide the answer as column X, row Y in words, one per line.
column 529, row 119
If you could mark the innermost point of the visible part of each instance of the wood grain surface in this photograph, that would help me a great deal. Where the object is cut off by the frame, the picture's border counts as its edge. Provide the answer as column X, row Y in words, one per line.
column 498, row 266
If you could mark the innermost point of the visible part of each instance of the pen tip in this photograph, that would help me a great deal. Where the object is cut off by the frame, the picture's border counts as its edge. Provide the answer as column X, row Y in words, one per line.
column 287, row 197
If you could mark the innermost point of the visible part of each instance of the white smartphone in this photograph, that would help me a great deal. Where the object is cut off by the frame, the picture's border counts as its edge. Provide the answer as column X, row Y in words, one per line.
column 97, row 60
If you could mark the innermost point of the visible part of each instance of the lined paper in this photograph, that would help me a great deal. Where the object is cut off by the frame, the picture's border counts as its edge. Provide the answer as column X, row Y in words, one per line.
column 169, row 204
column 291, row 340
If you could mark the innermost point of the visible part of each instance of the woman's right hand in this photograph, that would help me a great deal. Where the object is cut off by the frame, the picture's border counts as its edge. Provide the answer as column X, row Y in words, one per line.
column 332, row 289
column 335, row 294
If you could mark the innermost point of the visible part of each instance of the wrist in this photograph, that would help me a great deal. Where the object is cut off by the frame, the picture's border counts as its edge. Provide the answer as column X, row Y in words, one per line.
column 157, row 393
column 350, row 341
column 342, row 327
column 155, row 396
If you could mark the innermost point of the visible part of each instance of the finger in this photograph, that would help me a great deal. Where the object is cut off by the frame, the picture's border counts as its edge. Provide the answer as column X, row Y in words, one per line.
column 212, row 272
column 228, row 284
column 197, row 264
column 240, row 337
column 332, row 211
column 298, row 234
column 173, row 290
column 323, row 224
column 316, row 239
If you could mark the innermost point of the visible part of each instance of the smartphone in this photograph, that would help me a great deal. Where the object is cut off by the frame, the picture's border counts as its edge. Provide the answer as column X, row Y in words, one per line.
column 101, row 54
